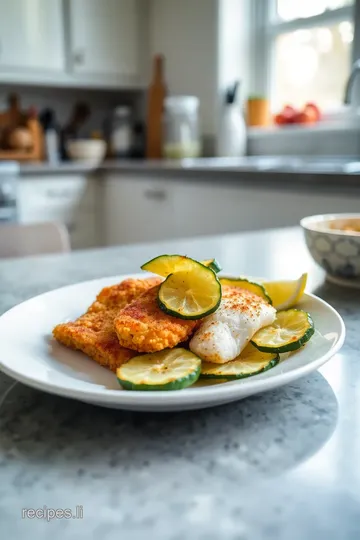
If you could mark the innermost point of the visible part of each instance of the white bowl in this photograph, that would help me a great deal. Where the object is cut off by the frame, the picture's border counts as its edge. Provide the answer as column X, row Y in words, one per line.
column 89, row 150
column 336, row 251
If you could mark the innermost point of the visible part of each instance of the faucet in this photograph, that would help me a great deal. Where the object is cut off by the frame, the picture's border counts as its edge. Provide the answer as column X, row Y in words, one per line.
column 354, row 73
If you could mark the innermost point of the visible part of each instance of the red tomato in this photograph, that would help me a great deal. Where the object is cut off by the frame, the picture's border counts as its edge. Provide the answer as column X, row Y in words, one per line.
column 313, row 110
column 280, row 119
column 289, row 114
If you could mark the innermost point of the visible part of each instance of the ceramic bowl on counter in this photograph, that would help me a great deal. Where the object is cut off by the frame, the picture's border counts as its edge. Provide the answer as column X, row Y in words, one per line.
column 87, row 150
column 334, row 243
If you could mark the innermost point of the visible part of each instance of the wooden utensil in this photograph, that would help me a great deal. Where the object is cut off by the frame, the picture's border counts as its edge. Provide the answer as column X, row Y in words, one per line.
column 156, row 96
column 13, row 121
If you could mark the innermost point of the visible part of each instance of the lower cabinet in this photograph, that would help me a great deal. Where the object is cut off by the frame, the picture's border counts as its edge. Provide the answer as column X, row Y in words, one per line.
column 123, row 208
column 68, row 199
column 138, row 210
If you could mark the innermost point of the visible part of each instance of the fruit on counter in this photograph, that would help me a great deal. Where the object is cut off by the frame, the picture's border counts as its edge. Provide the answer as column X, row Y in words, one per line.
column 289, row 115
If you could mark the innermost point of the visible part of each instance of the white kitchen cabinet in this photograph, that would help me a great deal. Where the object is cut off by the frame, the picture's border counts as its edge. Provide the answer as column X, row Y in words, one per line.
column 138, row 210
column 71, row 200
column 105, row 37
column 32, row 35
column 215, row 208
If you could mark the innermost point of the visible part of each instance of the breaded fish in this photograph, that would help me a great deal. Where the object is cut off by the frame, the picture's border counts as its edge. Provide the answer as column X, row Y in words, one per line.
column 224, row 334
column 119, row 295
column 142, row 325
column 93, row 333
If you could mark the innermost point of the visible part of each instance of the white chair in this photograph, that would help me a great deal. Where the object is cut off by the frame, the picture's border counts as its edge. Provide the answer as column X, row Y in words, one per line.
column 35, row 239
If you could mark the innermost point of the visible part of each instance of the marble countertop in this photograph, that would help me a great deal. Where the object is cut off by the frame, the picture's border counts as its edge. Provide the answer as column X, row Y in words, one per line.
column 312, row 169
column 282, row 466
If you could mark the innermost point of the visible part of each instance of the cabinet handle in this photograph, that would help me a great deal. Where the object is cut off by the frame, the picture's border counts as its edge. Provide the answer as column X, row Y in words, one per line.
column 156, row 194
column 61, row 194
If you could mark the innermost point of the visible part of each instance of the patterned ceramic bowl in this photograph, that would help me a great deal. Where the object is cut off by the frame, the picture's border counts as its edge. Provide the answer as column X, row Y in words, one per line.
column 334, row 243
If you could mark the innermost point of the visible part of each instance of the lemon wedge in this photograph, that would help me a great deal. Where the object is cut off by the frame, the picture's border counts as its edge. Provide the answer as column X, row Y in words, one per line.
column 286, row 294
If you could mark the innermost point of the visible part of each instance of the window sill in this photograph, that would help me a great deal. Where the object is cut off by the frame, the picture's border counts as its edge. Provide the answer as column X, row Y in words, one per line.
column 298, row 129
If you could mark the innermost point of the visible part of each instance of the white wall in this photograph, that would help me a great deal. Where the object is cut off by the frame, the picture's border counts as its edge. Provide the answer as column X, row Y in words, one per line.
column 206, row 47
column 185, row 31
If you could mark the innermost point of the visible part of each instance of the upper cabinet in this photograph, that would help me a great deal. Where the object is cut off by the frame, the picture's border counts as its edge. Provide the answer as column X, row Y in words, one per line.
column 104, row 37
column 32, row 35
column 99, row 43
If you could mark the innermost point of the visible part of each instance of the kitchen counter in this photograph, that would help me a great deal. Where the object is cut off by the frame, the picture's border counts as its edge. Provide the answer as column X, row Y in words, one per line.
column 282, row 465
column 324, row 171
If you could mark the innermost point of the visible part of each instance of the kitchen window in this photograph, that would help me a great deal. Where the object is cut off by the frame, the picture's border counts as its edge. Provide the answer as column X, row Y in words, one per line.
column 303, row 51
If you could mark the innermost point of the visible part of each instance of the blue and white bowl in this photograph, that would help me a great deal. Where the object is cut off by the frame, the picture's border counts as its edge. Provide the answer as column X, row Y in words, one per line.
column 335, row 250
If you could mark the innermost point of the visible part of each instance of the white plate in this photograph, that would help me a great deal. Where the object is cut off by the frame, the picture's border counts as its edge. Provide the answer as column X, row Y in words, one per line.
column 30, row 355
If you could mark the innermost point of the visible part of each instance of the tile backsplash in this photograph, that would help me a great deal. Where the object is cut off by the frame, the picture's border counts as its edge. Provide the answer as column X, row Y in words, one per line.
column 62, row 100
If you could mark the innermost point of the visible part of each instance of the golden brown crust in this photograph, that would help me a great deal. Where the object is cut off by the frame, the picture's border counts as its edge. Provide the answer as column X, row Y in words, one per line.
column 142, row 325
column 93, row 333
column 119, row 295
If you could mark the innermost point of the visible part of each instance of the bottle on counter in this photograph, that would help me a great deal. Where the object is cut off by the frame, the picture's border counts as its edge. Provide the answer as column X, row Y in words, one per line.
column 121, row 133
column 181, row 127
column 232, row 140
column 51, row 135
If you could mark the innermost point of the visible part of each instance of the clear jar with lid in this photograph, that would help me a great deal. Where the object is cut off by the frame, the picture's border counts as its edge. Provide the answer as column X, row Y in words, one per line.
column 121, row 132
column 181, row 127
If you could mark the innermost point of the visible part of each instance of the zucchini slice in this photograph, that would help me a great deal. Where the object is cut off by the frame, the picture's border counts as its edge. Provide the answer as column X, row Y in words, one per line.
column 164, row 265
column 244, row 283
column 290, row 331
column 250, row 362
column 213, row 264
column 190, row 295
column 171, row 369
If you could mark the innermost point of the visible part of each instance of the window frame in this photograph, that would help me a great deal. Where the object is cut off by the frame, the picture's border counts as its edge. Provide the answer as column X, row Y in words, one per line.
column 267, row 27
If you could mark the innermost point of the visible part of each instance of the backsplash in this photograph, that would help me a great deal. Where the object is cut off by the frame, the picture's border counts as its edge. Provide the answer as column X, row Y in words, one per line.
column 62, row 100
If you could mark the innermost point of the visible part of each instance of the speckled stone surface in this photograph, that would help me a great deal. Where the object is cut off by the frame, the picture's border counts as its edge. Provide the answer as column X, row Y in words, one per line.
column 280, row 466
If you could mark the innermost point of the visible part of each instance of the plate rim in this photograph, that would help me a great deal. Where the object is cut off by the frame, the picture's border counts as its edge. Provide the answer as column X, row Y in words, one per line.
column 163, row 398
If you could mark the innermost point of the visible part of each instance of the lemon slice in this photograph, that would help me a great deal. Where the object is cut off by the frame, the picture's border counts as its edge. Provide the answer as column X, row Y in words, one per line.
column 286, row 294
column 171, row 369
column 164, row 265
column 291, row 329
column 190, row 295
column 243, row 283
column 250, row 362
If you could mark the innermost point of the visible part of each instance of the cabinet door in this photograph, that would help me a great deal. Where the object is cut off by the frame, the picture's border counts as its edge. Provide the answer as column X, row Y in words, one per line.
column 137, row 210
column 104, row 36
column 216, row 208
column 70, row 200
column 32, row 34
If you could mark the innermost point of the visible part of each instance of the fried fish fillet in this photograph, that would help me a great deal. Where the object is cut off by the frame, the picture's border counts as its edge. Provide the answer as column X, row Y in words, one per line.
column 142, row 325
column 93, row 333
column 119, row 295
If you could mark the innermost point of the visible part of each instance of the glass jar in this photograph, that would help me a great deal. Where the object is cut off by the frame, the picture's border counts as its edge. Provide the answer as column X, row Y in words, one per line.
column 121, row 132
column 181, row 127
